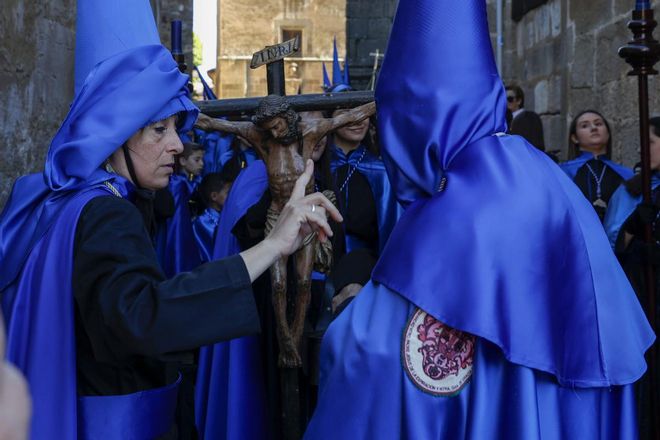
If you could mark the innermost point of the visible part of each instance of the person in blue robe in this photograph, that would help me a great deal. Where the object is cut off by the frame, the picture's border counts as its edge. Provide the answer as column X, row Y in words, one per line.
column 497, row 309
column 175, row 242
column 592, row 170
column 625, row 224
column 92, row 322
column 230, row 393
column 213, row 189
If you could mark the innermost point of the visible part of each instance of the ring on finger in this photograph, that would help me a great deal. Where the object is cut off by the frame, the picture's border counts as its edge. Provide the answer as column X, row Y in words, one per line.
column 313, row 208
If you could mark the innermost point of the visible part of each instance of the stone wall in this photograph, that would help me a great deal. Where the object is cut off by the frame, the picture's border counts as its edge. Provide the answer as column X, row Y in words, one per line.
column 247, row 27
column 37, row 41
column 368, row 24
column 564, row 55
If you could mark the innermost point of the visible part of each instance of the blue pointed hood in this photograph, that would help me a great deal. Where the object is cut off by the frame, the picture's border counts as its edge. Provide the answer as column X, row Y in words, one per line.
column 337, row 76
column 340, row 78
column 327, row 85
column 496, row 240
column 106, row 28
column 415, row 151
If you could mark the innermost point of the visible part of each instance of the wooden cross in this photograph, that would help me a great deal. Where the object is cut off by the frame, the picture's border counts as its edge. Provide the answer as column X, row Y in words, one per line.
column 273, row 58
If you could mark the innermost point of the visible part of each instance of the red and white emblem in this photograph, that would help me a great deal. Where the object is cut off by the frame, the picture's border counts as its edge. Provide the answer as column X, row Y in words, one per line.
column 437, row 358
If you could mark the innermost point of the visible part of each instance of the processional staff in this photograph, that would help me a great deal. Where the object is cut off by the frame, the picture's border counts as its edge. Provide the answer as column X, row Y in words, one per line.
column 642, row 53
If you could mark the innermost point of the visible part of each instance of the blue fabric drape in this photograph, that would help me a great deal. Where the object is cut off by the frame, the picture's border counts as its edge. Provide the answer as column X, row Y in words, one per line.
column 230, row 395
column 365, row 393
column 176, row 246
column 621, row 206
column 204, row 228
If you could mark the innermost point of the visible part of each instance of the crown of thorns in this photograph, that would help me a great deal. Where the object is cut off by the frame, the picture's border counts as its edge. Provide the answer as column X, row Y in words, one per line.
column 270, row 107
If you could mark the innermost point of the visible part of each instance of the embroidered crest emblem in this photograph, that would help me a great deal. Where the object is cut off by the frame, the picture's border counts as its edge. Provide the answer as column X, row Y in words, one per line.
column 436, row 357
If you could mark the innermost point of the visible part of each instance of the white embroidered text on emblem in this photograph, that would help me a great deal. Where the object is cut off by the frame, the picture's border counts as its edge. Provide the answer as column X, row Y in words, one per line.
column 436, row 357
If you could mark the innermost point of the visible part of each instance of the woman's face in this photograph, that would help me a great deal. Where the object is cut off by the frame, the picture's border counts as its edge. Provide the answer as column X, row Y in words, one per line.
column 353, row 132
column 591, row 133
column 152, row 150
column 655, row 150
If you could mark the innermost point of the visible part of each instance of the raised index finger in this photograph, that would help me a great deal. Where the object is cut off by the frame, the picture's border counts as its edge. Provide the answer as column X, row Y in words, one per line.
column 299, row 188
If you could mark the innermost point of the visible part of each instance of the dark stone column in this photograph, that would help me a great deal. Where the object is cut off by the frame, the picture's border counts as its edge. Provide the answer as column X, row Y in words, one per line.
column 368, row 24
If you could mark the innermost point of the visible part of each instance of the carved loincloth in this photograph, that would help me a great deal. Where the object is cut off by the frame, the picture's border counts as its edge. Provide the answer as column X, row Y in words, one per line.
column 322, row 251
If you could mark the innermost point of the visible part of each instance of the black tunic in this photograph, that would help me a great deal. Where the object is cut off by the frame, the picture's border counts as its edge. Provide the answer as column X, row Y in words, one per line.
column 586, row 181
column 130, row 319
column 358, row 206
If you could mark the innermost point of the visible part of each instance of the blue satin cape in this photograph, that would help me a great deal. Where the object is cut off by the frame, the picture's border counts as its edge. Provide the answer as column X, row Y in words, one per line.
column 365, row 392
column 571, row 167
column 230, row 394
column 176, row 245
column 497, row 242
column 204, row 228
column 372, row 168
column 621, row 206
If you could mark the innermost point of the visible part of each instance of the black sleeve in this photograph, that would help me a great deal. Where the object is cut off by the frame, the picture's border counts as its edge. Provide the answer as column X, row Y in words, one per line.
column 529, row 126
column 126, row 305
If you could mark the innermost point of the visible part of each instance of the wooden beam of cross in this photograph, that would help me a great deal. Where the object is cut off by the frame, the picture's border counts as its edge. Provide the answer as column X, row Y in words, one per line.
column 300, row 103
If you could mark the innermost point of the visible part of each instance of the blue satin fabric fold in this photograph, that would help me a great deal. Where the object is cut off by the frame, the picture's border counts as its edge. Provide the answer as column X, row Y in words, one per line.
column 571, row 167
column 498, row 272
column 365, row 392
column 217, row 149
column 372, row 168
column 621, row 206
column 230, row 394
column 204, row 228
column 431, row 107
column 138, row 416
column 38, row 310
column 176, row 246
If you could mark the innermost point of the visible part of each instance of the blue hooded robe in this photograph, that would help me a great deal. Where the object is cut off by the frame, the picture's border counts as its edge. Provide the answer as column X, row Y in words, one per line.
column 124, row 59
column 497, row 308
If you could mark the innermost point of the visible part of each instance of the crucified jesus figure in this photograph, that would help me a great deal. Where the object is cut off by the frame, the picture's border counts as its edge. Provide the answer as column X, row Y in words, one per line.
column 285, row 143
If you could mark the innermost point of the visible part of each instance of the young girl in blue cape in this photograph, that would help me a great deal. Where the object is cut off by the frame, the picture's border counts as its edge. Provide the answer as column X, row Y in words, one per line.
column 592, row 168
column 92, row 321
column 497, row 309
